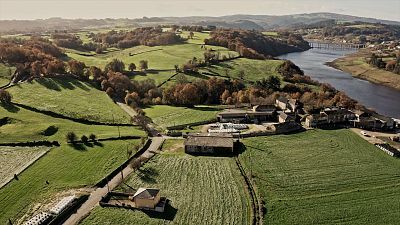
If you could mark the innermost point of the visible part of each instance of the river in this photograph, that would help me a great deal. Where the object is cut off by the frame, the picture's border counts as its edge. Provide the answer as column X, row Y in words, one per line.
column 383, row 100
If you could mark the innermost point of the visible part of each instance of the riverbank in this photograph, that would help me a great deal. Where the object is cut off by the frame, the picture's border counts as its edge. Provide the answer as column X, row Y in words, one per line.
column 356, row 65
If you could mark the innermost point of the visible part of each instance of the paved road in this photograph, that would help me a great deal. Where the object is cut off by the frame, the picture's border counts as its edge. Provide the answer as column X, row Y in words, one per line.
column 98, row 193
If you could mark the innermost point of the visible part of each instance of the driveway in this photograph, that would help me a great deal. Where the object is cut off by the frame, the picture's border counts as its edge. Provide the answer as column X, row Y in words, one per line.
column 98, row 193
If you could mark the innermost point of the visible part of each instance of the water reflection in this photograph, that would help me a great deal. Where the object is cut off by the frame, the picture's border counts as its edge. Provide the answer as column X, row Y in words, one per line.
column 383, row 99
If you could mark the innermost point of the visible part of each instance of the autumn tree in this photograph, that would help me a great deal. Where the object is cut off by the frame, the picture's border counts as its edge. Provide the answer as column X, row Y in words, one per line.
column 191, row 35
column 5, row 97
column 76, row 67
column 132, row 67
column 143, row 65
column 115, row 65
column 71, row 137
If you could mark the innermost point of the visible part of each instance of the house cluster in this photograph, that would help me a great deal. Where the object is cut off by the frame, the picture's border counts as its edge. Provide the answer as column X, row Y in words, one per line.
column 284, row 110
column 340, row 116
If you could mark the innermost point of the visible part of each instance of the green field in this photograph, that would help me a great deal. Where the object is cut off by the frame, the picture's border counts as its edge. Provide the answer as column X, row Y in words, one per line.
column 253, row 69
column 14, row 159
column 24, row 125
column 271, row 33
column 5, row 72
column 164, row 115
column 159, row 57
column 202, row 190
column 69, row 97
column 64, row 168
column 324, row 177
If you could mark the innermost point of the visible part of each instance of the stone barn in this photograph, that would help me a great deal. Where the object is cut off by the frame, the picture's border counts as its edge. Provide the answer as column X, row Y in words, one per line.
column 209, row 144
column 146, row 198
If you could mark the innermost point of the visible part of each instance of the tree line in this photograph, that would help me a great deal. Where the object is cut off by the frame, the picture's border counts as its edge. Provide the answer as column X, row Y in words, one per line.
column 392, row 65
column 149, row 36
column 255, row 45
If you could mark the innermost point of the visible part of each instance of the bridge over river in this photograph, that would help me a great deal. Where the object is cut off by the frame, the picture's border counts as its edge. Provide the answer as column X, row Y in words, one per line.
column 335, row 46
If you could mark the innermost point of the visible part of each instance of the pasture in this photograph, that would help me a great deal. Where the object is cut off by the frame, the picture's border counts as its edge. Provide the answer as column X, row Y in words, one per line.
column 69, row 97
column 23, row 125
column 201, row 190
column 5, row 74
column 324, row 177
column 164, row 115
column 63, row 168
column 253, row 69
column 159, row 57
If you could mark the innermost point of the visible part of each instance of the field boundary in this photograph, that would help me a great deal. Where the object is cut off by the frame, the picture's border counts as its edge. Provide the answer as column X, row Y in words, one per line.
column 255, row 204
column 183, row 126
column 27, row 165
column 77, row 120
column 105, row 179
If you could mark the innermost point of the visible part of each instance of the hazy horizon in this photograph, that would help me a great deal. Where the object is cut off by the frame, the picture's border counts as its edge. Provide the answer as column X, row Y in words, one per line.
column 92, row 9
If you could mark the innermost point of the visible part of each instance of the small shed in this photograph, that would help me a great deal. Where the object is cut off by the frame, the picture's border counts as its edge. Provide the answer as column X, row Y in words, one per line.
column 146, row 198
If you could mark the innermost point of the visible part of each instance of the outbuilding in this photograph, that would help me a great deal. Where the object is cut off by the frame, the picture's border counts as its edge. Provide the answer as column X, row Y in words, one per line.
column 212, row 143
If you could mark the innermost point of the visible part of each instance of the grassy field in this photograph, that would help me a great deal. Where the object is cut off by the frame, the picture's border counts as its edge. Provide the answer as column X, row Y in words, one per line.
column 13, row 159
column 64, row 168
column 324, row 177
column 271, row 33
column 253, row 69
column 158, row 76
column 159, row 57
column 356, row 65
column 24, row 125
column 71, row 98
column 164, row 115
column 5, row 72
column 202, row 190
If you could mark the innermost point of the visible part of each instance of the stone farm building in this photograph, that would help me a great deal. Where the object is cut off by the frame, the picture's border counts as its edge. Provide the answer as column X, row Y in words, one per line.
column 146, row 198
column 288, row 105
column 372, row 121
column 219, row 144
column 258, row 114
column 329, row 116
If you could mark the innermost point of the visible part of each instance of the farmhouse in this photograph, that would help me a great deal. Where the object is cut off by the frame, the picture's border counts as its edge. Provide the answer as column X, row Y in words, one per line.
column 257, row 114
column 329, row 116
column 372, row 121
column 286, row 117
column 213, row 143
column 286, row 104
column 146, row 198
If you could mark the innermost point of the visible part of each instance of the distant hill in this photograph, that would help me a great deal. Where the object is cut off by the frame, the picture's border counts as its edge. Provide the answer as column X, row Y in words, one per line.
column 249, row 22
column 271, row 22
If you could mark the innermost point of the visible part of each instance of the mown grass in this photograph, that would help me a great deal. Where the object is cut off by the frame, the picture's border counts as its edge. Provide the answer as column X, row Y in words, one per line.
column 69, row 97
column 324, row 177
column 164, row 115
column 25, row 125
column 64, row 168
column 201, row 190
column 13, row 159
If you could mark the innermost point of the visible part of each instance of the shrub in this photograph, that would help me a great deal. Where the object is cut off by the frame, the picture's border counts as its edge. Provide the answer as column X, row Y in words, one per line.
column 84, row 139
column 71, row 137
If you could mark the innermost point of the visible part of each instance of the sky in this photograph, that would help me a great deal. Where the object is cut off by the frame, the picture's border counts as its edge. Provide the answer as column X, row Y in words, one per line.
column 41, row 9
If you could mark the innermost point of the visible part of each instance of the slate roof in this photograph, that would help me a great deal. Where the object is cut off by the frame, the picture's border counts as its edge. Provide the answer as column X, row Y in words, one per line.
column 146, row 193
column 225, row 141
